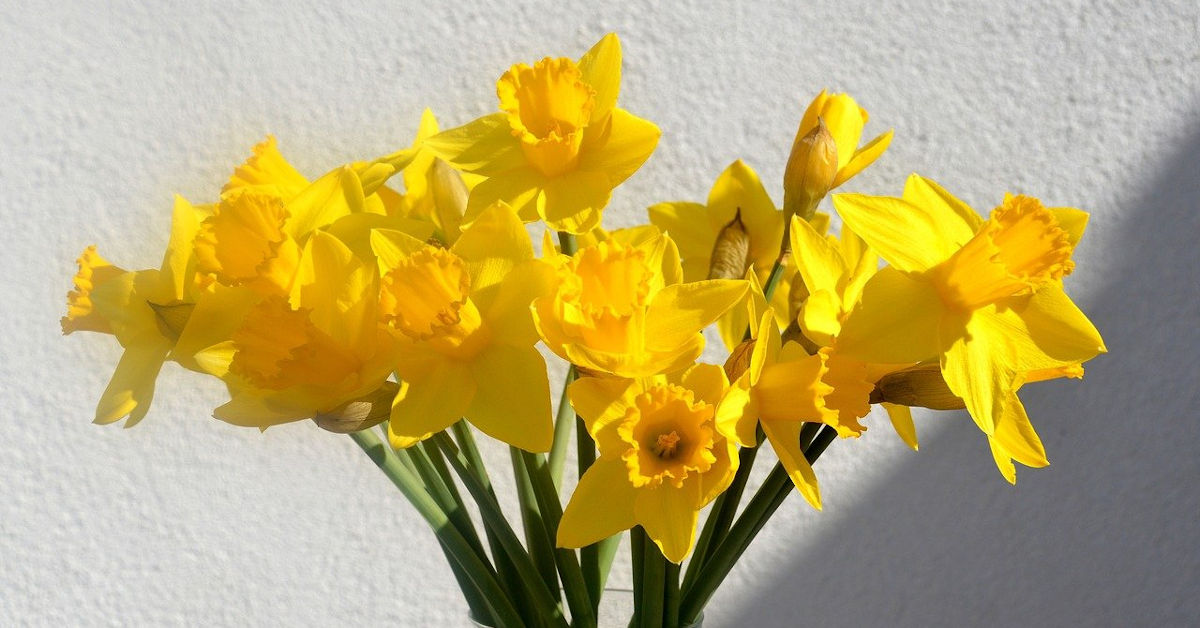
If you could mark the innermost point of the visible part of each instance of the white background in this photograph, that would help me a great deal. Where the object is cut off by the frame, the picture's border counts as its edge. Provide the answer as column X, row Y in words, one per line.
column 106, row 111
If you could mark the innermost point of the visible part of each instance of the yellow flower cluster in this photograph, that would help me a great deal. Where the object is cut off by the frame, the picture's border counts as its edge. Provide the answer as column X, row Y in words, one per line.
column 349, row 302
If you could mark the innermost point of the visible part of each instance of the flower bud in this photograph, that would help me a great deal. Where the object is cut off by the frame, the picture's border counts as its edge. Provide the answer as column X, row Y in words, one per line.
column 172, row 319
column 360, row 414
column 449, row 197
column 921, row 385
column 731, row 252
column 810, row 172
column 739, row 360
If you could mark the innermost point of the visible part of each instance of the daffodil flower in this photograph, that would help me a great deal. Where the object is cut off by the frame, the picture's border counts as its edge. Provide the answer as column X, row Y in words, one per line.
column 620, row 306
column 834, row 271
column 845, row 121
column 662, row 458
column 462, row 318
column 296, row 356
column 783, row 388
column 738, row 230
column 984, row 297
column 267, row 210
column 559, row 144
column 169, row 313
column 433, row 190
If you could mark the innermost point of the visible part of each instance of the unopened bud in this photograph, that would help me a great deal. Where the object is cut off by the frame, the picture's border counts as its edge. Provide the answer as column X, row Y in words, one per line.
column 810, row 171
column 921, row 386
column 172, row 319
column 449, row 197
column 739, row 360
column 731, row 252
column 360, row 414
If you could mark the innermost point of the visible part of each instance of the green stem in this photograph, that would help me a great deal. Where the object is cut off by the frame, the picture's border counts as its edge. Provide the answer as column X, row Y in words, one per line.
column 671, row 596
column 449, row 499
column 765, row 502
column 574, row 585
column 541, row 546
column 567, row 243
column 637, row 553
column 564, row 420
column 493, row 517
column 410, row 485
column 505, row 567
column 654, row 572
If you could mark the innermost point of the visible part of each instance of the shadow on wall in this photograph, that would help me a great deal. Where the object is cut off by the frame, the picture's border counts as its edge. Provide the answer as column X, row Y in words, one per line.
column 1108, row 535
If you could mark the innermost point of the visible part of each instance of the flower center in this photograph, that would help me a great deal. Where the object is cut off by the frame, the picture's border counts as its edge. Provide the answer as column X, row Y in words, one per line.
column 670, row 435
column 548, row 105
column 278, row 347
column 244, row 241
column 610, row 277
column 426, row 296
column 1020, row 248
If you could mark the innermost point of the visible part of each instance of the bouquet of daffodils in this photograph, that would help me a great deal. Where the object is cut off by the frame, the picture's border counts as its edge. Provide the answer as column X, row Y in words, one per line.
column 410, row 320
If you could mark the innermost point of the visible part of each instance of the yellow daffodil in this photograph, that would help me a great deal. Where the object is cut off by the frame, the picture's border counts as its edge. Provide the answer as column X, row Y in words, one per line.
column 300, row 355
column 661, row 460
column 984, row 297
column 834, row 271
column 267, row 210
column 161, row 314
column 462, row 316
column 825, row 153
column 559, row 144
column 736, row 231
column 783, row 388
column 620, row 306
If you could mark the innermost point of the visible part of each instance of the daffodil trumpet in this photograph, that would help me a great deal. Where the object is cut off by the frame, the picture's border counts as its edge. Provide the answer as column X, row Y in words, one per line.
column 400, row 300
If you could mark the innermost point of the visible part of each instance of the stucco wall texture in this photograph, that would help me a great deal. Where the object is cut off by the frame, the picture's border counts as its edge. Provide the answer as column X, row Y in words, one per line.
column 106, row 111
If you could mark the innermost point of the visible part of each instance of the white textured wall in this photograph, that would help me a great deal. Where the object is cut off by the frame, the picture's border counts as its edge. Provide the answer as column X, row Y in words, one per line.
column 106, row 111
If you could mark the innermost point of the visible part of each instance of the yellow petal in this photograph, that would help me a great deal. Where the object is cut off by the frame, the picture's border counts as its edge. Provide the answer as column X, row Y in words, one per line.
column 491, row 245
column 601, row 403
column 819, row 317
column 818, row 261
column 767, row 344
column 1003, row 461
column 975, row 366
column 901, row 417
column 862, row 158
column 340, row 292
column 896, row 322
column 909, row 237
column 688, row 225
column 960, row 221
column 334, row 195
column 267, row 167
column 1016, row 435
column 483, row 146
column 785, row 440
column 623, row 149
column 178, row 262
column 679, row 311
column 512, row 397
column 214, row 319
column 737, row 414
column 601, row 69
column 669, row 516
column 354, row 230
column 707, row 381
column 131, row 388
column 391, row 247
column 520, row 189
column 1072, row 220
column 434, row 393
column 506, row 308
column 845, row 121
column 572, row 202
column 601, row 506
column 248, row 410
